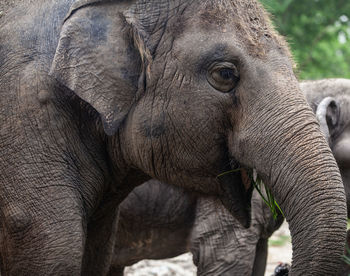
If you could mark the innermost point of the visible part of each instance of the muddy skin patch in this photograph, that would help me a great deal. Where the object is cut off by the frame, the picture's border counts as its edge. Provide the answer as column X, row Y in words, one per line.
column 43, row 96
column 178, row 27
column 130, row 75
column 99, row 28
column 94, row 27
column 154, row 128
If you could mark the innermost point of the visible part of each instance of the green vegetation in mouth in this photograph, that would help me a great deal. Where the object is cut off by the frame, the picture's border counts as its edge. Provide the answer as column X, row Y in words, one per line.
column 258, row 184
column 229, row 172
column 269, row 200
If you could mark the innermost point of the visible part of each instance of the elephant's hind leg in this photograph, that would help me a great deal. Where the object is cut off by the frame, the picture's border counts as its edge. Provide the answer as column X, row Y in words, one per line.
column 101, row 235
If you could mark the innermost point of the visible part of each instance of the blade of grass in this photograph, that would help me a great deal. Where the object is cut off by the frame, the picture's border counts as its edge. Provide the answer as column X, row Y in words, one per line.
column 258, row 184
column 228, row 172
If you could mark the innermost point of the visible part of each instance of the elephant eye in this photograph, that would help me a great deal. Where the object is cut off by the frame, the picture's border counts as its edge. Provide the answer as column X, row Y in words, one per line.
column 223, row 77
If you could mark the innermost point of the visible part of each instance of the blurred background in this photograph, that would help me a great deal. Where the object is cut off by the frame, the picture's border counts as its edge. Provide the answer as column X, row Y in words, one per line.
column 318, row 32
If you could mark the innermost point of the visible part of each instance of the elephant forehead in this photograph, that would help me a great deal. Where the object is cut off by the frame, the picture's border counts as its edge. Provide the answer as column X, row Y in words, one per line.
column 246, row 21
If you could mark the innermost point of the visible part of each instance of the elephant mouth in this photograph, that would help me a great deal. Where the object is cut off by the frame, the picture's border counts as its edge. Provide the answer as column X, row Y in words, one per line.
column 237, row 193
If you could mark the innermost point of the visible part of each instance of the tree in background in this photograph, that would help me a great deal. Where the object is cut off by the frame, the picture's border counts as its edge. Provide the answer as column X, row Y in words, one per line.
column 318, row 32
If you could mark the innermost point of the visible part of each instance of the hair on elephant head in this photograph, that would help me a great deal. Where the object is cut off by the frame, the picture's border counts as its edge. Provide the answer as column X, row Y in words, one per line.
column 185, row 91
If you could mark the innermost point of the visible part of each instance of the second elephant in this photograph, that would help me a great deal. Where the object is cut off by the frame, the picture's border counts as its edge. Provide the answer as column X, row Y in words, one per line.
column 159, row 221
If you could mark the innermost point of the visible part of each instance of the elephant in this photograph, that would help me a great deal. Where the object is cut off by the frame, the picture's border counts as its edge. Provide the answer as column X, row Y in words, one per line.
column 99, row 96
column 170, row 230
column 158, row 221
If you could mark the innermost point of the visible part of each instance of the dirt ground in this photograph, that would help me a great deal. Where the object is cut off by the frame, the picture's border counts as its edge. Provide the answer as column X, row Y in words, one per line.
column 280, row 250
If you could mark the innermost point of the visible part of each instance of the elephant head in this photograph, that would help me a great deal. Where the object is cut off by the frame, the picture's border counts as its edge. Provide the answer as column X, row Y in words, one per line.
column 330, row 100
column 188, row 90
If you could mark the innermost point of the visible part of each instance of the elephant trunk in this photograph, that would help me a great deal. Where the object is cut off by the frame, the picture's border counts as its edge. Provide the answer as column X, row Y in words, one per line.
column 310, row 193
column 292, row 157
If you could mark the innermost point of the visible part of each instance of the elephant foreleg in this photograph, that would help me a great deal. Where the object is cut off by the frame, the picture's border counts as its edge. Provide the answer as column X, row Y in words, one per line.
column 260, row 258
column 42, row 236
column 101, row 235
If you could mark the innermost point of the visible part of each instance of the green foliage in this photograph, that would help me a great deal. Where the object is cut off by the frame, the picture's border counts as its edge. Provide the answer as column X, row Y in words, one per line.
column 269, row 200
column 318, row 32
column 279, row 241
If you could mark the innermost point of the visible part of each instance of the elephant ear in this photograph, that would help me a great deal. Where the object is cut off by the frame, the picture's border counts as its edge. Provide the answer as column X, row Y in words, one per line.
column 101, row 57
column 328, row 113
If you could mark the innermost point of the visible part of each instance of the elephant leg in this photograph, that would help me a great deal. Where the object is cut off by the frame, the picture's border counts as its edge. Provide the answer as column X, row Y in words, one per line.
column 116, row 271
column 101, row 236
column 47, row 196
column 219, row 243
column 260, row 257
column 42, row 237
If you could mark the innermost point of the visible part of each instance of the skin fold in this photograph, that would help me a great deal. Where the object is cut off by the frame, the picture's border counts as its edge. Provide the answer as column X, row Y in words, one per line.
column 217, row 241
column 99, row 96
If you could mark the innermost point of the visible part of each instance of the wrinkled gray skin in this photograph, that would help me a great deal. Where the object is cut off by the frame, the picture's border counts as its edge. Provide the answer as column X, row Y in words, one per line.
column 99, row 96
column 154, row 227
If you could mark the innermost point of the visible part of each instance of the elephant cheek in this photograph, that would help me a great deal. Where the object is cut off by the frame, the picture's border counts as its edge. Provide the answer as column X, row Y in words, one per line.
column 155, row 127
